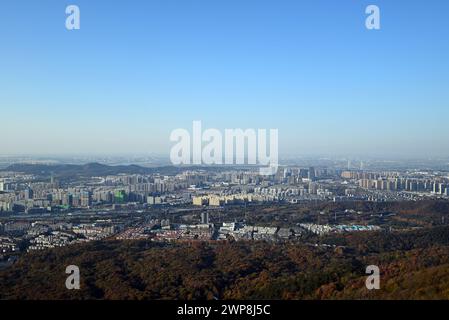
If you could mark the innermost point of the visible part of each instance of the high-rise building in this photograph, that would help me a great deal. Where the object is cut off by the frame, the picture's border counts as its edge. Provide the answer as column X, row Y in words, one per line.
column 436, row 187
column 205, row 217
column 119, row 196
column 303, row 173
column 28, row 194
column 311, row 174
column 442, row 188
column 153, row 200
column 313, row 188
column 200, row 201
column 85, row 199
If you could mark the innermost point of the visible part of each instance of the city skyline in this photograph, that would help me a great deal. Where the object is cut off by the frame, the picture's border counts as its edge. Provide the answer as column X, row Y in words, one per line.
column 132, row 74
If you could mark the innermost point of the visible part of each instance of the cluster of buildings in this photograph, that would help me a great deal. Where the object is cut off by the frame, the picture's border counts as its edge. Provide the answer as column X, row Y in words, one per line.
column 7, row 245
column 240, row 231
column 22, row 193
column 52, row 240
column 50, row 234
column 30, row 194
column 320, row 229
column 199, row 232
column 164, row 231
column 28, row 203
column 95, row 231
column 218, row 200
column 236, row 231
column 144, row 231
column 395, row 181
column 270, row 194
column 282, row 192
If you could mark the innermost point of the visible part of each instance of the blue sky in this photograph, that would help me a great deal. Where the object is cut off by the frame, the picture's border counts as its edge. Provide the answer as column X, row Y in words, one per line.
column 139, row 69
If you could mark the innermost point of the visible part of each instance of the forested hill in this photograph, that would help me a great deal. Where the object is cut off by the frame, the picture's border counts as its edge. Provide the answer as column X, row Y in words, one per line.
column 414, row 265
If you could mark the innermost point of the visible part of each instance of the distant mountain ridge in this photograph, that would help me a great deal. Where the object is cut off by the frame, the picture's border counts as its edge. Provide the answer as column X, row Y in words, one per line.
column 89, row 169
column 98, row 169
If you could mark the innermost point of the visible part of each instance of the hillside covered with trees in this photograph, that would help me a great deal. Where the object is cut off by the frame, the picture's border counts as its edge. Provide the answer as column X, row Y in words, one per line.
column 413, row 264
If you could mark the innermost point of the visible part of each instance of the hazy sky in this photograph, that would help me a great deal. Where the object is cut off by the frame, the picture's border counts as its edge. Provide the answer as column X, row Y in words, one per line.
column 139, row 69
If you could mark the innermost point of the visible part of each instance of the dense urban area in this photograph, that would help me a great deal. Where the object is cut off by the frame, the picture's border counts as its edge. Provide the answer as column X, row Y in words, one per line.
column 50, row 209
